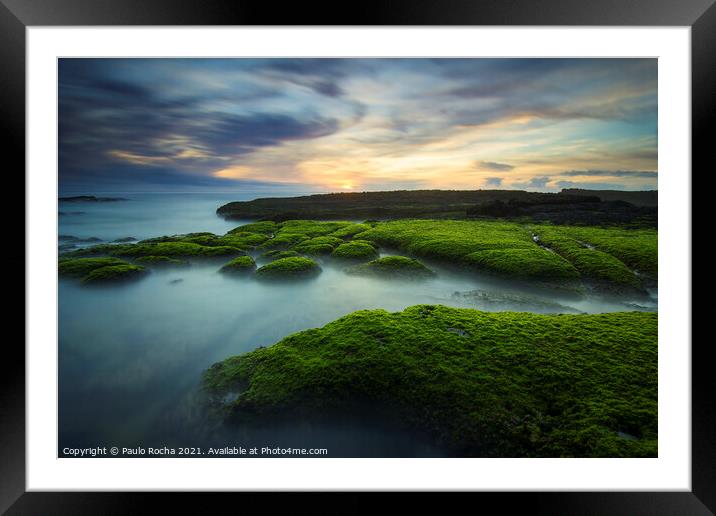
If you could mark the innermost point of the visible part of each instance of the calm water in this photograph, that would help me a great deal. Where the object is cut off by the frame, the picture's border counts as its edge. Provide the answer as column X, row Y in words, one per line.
column 131, row 356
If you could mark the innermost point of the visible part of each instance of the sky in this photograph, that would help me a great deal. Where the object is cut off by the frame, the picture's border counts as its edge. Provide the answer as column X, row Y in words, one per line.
column 356, row 124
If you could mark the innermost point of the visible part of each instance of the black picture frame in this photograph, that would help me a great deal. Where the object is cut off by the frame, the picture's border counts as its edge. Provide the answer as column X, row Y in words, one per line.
column 17, row 15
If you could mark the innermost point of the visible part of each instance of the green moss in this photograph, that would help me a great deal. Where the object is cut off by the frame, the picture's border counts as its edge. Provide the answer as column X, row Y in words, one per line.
column 316, row 250
column 114, row 273
column 528, row 263
column 361, row 241
column 448, row 240
column 393, row 267
column 240, row 265
column 309, row 236
column 636, row 248
column 355, row 251
column 507, row 248
column 161, row 261
column 80, row 267
column 277, row 255
column 294, row 232
column 349, row 231
column 311, row 228
column 266, row 227
column 322, row 240
column 193, row 238
column 98, row 250
column 318, row 246
column 289, row 268
column 242, row 240
column 283, row 241
column 184, row 249
column 590, row 262
column 160, row 248
column 481, row 384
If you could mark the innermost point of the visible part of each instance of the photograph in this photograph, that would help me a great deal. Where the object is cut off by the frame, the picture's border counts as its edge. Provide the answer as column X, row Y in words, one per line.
column 357, row 257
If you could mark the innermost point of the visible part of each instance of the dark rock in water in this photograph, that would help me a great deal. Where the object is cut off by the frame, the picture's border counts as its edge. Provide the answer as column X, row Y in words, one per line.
column 175, row 281
column 78, row 240
column 90, row 198
column 493, row 300
column 123, row 240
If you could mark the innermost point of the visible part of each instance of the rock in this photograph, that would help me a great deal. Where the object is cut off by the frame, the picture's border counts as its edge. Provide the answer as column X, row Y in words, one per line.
column 240, row 265
column 289, row 269
column 393, row 267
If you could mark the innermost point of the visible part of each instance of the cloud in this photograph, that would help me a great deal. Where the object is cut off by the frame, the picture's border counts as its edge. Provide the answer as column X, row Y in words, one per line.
column 492, row 165
column 363, row 122
column 611, row 173
column 594, row 186
column 538, row 182
column 493, row 181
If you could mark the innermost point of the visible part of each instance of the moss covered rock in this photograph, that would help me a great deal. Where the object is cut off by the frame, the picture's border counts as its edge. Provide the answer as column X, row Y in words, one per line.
column 524, row 263
column 289, row 269
column 283, row 241
column 203, row 238
column 266, row 227
column 80, row 267
column 361, row 241
column 114, row 274
column 349, row 231
column 277, row 255
column 175, row 249
column 242, row 240
column 480, row 384
column 98, row 250
column 593, row 264
column 355, row 251
column 240, row 265
column 393, row 267
column 318, row 245
column 161, row 261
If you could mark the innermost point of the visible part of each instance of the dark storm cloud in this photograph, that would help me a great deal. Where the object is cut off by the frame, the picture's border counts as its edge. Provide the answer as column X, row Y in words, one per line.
column 320, row 75
column 99, row 114
column 241, row 134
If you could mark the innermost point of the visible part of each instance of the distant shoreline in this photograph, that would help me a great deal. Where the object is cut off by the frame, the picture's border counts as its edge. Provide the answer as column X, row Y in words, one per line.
column 570, row 206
